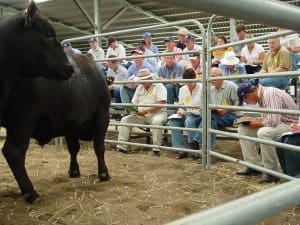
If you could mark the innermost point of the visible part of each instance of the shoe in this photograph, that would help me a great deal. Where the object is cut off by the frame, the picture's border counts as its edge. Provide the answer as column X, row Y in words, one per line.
column 194, row 145
column 266, row 178
column 182, row 155
column 248, row 172
column 156, row 152
column 121, row 148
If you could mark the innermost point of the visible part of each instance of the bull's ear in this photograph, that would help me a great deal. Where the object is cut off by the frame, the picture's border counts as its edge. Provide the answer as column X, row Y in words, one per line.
column 29, row 13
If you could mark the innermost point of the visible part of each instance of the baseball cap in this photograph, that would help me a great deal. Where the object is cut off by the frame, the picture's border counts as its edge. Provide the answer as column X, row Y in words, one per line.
column 246, row 88
column 170, row 38
column 93, row 39
column 147, row 34
column 66, row 44
column 138, row 51
column 110, row 40
column 194, row 55
column 189, row 37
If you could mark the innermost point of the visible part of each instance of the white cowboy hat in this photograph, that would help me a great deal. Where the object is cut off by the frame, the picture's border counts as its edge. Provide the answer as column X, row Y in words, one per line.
column 143, row 74
column 230, row 59
column 182, row 31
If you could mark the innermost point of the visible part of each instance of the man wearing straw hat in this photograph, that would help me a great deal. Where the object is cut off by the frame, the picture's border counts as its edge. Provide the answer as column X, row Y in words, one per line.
column 146, row 93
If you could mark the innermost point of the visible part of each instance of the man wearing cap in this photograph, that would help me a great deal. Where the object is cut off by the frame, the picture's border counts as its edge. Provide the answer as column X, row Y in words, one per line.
column 147, row 36
column 114, row 48
column 170, row 47
column 171, row 70
column 189, row 41
column 148, row 52
column 119, row 73
column 181, row 33
column 68, row 48
column 230, row 66
column 224, row 93
column 127, row 90
column 195, row 63
column 278, row 59
column 146, row 93
column 95, row 50
column 189, row 94
column 267, row 127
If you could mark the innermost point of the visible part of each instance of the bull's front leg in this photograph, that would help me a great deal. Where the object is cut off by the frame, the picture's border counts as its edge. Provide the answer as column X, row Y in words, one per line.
column 15, row 157
column 73, row 147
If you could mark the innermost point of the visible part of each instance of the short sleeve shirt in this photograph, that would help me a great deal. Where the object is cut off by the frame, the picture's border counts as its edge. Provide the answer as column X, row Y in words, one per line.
column 157, row 92
column 254, row 54
column 281, row 58
column 188, row 98
column 225, row 95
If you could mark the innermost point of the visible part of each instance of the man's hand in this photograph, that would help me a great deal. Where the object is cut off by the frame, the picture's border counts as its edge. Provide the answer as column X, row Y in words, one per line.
column 295, row 127
column 142, row 112
column 256, row 122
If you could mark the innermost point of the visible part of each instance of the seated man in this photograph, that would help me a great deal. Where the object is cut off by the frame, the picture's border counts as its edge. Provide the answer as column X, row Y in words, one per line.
column 223, row 92
column 127, row 90
column 118, row 72
column 267, row 127
column 146, row 93
column 230, row 66
column 168, row 71
column 290, row 160
column 189, row 94
column 278, row 59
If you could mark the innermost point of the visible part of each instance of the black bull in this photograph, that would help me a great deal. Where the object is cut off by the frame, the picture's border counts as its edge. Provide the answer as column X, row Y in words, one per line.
column 34, row 105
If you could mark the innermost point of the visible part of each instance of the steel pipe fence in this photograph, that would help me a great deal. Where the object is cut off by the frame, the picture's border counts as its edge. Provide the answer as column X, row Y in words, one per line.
column 206, row 115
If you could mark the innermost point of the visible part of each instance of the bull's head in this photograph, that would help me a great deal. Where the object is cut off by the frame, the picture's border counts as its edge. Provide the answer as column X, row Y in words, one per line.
column 36, row 51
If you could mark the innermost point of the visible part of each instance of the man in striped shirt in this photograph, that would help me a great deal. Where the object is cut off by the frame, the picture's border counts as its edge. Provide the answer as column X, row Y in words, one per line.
column 267, row 127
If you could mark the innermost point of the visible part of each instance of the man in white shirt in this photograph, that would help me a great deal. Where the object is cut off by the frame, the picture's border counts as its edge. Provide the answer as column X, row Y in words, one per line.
column 146, row 93
column 114, row 48
column 95, row 50
column 190, row 46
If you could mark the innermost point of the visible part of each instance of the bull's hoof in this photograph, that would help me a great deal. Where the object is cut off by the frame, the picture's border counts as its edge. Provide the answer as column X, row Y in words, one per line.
column 104, row 177
column 74, row 173
column 31, row 197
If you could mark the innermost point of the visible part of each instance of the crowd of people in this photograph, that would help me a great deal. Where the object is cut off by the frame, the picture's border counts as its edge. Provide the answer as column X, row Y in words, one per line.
column 266, row 92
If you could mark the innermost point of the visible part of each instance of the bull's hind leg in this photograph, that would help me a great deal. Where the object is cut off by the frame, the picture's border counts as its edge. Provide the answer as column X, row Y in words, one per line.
column 15, row 157
column 73, row 147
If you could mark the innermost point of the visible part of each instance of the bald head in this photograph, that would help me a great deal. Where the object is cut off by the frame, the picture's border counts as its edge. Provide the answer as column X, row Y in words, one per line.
column 215, row 72
column 274, row 44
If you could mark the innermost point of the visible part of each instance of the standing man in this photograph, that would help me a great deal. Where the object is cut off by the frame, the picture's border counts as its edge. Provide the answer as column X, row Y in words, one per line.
column 267, row 127
column 241, row 35
column 278, row 59
column 181, row 33
column 95, row 50
column 146, row 93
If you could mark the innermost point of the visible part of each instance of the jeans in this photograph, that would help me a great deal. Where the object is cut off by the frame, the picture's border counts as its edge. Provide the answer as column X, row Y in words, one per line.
column 172, row 92
column 289, row 160
column 126, row 94
column 217, row 122
column 295, row 60
column 115, row 93
column 278, row 82
column 189, row 122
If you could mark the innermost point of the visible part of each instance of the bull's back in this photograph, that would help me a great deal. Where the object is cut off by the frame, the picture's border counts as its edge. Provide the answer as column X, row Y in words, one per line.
column 60, row 108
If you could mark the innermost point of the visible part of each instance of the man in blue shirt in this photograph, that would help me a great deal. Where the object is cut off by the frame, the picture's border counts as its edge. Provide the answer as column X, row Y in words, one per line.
column 127, row 90
column 169, row 71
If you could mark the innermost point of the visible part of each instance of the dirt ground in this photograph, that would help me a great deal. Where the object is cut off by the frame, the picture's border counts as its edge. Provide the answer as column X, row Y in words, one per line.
column 144, row 190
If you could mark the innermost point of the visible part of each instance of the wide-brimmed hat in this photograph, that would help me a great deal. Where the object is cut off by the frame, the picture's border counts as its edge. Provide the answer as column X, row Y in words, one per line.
column 182, row 31
column 143, row 74
column 230, row 59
